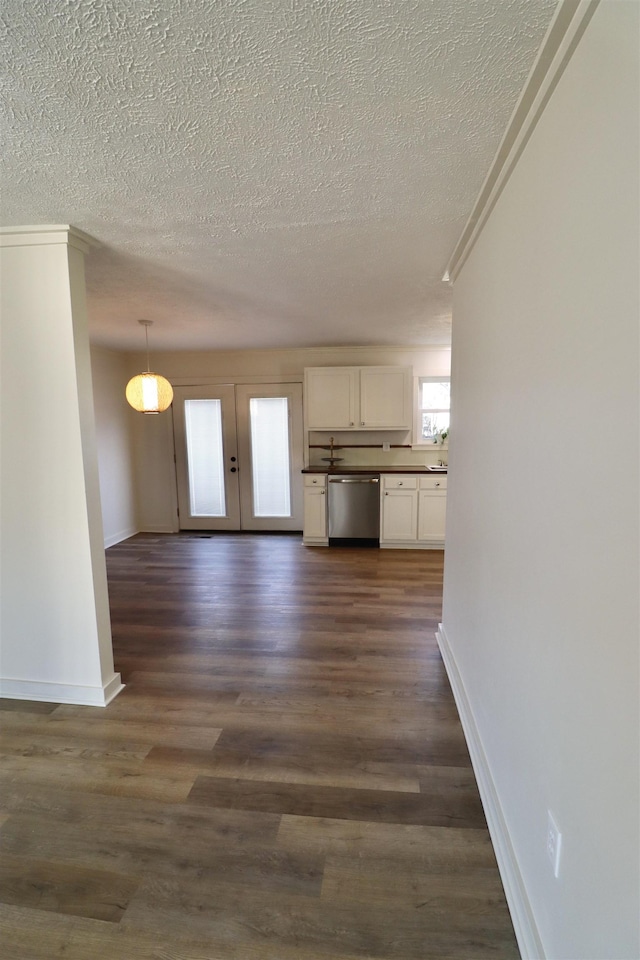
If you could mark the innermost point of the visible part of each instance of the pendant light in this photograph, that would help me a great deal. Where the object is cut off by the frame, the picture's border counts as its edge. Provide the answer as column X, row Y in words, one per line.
column 149, row 392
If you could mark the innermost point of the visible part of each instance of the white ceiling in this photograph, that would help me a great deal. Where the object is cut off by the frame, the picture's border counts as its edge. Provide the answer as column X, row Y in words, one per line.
column 261, row 173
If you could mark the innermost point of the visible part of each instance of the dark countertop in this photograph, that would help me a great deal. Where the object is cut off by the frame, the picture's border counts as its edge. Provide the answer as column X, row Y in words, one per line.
column 340, row 468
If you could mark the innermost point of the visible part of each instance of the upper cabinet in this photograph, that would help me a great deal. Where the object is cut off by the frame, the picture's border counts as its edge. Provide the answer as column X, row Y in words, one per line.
column 358, row 398
column 330, row 397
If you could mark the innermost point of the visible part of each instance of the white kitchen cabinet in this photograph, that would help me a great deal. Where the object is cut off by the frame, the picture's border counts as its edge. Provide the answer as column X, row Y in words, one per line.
column 358, row 398
column 330, row 397
column 432, row 508
column 413, row 510
column 399, row 510
column 315, row 510
column 386, row 398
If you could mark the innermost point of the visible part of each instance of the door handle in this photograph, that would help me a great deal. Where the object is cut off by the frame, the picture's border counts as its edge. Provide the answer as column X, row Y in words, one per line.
column 353, row 480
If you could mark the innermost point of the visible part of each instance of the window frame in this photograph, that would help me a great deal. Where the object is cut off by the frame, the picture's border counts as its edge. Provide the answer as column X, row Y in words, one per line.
column 419, row 440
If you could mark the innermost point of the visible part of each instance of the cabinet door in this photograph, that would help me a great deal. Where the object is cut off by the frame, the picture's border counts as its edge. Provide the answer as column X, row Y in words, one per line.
column 315, row 513
column 385, row 398
column 432, row 515
column 399, row 515
column 330, row 397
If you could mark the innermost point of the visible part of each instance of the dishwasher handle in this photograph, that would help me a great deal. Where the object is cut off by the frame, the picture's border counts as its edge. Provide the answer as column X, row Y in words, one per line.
column 354, row 480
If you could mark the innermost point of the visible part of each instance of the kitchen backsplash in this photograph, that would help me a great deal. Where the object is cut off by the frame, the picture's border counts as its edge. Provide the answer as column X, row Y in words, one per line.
column 356, row 456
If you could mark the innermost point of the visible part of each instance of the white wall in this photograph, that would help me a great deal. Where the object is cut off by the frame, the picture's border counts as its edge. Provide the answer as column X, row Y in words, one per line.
column 541, row 580
column 155, row 474
column 55, row 626
column 291, row 362
column 114, row 430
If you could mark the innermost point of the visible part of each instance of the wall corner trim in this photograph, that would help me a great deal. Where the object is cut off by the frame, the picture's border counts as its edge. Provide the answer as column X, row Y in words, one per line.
column 565, row 30
column 524, row 923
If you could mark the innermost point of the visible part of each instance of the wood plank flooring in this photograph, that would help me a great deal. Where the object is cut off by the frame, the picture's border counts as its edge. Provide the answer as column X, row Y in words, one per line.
column 283, row 778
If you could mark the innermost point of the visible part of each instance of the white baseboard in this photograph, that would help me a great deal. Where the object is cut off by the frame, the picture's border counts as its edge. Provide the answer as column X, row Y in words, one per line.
column 524, row 923
column 61, row 692
column 119, row 537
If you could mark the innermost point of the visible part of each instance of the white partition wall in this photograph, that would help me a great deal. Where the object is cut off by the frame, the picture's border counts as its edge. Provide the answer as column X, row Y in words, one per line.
column 540, row 627
column 55, row 639
column 114, row 430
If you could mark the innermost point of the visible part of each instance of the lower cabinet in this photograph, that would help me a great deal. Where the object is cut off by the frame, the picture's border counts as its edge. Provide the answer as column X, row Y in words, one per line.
column 315, row 510
column 413, row 511
column 432, row 511
column 399, row 510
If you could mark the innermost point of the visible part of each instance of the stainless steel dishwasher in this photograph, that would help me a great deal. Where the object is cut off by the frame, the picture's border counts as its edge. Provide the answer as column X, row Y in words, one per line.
column 354, row 509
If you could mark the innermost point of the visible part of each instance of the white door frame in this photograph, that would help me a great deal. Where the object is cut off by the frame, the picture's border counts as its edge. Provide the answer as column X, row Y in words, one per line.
column 226, row 394
column 237, row 443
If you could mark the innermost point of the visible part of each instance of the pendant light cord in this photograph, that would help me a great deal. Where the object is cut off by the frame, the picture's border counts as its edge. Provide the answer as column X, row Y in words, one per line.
column 146, row 336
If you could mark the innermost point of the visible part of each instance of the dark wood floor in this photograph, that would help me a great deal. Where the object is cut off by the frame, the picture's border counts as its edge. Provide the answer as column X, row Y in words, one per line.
column 283, row 778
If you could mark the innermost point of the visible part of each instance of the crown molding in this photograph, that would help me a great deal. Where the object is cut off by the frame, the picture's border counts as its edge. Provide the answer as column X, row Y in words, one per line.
column 565, row 31
column 45, row 235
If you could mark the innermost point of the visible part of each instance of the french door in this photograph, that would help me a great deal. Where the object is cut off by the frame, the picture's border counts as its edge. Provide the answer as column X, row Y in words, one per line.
column 239, row 456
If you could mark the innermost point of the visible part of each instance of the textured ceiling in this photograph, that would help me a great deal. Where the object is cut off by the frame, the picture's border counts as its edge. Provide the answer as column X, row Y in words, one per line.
column 261, row 173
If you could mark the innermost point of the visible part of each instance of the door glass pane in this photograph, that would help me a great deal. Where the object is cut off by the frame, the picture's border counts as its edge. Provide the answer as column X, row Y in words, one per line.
column 203, row 422
column 269, row 417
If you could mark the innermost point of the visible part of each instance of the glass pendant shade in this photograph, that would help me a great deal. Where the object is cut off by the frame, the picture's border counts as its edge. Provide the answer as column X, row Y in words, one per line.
column 149, row 393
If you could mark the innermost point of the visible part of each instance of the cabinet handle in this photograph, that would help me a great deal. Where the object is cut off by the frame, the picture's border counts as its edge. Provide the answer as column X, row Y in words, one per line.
column 322, row 492
column 386, row 494
column 362, row 423
column 351, row 423
column 399, row 483
column 436, row 484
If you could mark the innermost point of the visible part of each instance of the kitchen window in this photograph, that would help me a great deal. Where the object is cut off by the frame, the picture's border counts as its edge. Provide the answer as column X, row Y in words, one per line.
column 433, row 408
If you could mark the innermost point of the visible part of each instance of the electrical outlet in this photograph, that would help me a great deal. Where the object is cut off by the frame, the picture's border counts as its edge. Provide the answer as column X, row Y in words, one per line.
column 554, row 844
